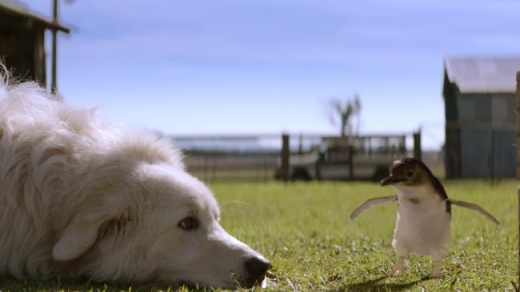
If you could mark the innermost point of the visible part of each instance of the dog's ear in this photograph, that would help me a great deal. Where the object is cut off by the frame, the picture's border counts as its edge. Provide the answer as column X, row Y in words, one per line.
column 82, row 231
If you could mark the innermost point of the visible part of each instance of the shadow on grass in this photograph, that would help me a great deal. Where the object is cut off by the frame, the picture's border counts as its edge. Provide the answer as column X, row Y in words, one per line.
column 375, row 285
column 9, row 284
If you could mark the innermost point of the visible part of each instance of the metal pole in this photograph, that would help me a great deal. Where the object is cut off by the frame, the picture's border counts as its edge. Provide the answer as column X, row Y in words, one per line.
column 54, row 86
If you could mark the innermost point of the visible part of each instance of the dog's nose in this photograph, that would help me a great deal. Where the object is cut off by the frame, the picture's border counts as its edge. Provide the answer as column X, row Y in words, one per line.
column 257, row 267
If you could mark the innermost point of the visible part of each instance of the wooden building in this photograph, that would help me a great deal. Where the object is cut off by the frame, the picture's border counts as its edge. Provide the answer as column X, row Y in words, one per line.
column 479, row 97
column 22, row 41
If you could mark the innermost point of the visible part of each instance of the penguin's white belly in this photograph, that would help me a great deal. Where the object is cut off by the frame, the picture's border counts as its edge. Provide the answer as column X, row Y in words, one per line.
column 422, row 227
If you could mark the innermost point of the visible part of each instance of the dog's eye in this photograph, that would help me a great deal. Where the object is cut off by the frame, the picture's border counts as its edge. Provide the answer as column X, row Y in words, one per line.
column 189, row 223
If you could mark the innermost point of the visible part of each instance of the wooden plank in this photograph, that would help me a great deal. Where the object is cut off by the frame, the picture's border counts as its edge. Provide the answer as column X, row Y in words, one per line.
column 518, row 161
column 518, row 125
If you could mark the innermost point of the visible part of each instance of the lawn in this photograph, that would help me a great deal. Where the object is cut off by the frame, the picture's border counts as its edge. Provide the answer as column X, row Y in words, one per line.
column 305, row 230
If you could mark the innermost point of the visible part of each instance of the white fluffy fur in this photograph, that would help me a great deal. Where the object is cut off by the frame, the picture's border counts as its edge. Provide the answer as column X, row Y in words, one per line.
column 80, row 197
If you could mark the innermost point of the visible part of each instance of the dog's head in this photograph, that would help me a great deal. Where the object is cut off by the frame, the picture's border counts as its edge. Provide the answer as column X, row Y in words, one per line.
column 157, row 224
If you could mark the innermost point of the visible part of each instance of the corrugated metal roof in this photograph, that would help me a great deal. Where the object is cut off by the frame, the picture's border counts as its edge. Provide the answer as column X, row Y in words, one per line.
column 483, row 75
column 16, row 7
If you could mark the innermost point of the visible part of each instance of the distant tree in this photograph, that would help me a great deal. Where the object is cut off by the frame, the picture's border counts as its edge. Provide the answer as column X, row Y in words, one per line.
column 342, row 113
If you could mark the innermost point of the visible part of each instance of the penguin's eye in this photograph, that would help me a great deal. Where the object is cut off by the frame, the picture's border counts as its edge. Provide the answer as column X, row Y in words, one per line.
column 409, row 174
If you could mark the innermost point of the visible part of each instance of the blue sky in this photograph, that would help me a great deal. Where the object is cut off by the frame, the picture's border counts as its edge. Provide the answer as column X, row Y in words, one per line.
column 267, row 66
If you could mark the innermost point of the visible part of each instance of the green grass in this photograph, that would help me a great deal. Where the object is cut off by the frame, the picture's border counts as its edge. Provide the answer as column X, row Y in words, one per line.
column 304, row 229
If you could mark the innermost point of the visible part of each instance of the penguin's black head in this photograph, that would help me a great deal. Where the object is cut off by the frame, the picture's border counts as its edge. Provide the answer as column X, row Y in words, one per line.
column 409, row 172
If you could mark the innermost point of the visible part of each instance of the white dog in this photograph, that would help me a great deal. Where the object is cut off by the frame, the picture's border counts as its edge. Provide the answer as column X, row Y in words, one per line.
column 81, row 198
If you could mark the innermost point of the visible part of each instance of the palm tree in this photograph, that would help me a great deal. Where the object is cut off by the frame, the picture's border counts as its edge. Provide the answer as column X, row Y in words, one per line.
column 344, row 111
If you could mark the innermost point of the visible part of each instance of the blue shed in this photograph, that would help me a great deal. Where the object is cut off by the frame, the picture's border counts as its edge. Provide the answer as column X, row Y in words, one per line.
column 479, row 97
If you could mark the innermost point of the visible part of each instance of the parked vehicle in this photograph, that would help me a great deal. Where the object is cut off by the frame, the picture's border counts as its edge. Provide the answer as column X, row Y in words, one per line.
column 348, row 158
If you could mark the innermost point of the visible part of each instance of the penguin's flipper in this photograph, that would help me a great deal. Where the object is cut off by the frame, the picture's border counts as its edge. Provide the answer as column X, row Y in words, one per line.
column 475, row 207
column 372, row 202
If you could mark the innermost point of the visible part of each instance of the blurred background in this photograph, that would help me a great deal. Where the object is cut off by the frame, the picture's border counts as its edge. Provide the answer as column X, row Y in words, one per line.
column 289, row 90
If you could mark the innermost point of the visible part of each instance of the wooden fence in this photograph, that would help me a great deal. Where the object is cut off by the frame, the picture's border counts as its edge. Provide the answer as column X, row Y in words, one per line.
column 249, row 157
column 239, row 157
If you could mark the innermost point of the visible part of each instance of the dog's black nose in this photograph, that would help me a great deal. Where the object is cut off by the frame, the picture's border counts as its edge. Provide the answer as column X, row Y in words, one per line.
column 257, row 267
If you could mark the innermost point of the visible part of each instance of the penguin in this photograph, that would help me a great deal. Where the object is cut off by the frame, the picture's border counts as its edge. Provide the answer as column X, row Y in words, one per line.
column 423, row 223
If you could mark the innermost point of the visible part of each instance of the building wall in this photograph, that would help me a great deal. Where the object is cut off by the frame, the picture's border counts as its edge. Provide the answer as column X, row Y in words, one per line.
column 22, row 47
column 505, row 154
column 475, row 153
column 452, row 134
column 452, row 162
column 474, row 108
column 487, row 109
column 504, row 109
column 504, row 121
column 487, row 135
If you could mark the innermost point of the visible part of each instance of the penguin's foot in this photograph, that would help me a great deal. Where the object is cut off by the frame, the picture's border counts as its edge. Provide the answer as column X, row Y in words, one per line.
column 399, row 267
column 436, row 271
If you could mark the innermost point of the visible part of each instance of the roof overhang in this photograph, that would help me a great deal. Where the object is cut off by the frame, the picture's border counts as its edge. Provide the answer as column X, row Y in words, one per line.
column 15, row 8
column 481, row 75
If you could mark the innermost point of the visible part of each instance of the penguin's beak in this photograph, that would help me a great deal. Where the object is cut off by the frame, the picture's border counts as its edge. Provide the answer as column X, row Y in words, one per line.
column 392, row 179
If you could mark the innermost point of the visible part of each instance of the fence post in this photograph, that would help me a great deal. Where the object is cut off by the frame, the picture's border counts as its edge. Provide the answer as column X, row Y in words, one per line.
column 518, row 160
column 492, row 157
column 417, row 152
column 518, row 124
column 300, row 144
column 285, row 157
column 350, row 162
